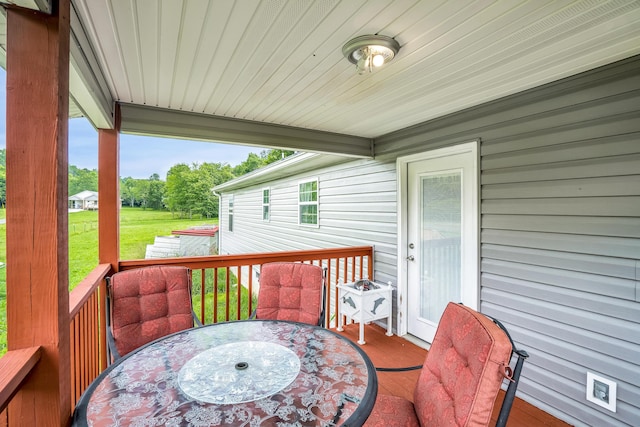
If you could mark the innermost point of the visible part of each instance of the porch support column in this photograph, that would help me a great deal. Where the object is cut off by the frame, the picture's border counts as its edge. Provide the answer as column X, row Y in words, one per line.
column 37, row 230
column 109, row 193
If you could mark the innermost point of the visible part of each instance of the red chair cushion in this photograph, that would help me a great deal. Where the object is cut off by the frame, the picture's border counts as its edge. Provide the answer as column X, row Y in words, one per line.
column 392, row 411
column 463, row 371
column 149, row 303
column 290, row 291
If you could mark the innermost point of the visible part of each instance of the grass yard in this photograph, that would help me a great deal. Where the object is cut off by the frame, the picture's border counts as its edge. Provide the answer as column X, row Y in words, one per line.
column 221, row 303
column 138, row 228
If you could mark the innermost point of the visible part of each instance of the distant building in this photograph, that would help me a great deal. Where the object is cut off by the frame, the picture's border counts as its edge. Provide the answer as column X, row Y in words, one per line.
column 85, row 200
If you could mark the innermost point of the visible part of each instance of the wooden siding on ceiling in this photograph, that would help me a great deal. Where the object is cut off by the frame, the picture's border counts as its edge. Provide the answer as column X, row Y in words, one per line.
column 281, row 61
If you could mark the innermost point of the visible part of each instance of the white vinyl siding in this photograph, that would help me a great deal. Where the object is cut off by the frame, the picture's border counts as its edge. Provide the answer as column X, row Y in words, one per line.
column 358, row 205
column 308, row 202
column 560, row 232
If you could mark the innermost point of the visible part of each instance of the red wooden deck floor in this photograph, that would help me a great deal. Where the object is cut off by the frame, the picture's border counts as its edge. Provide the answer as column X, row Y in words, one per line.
column 395, row 351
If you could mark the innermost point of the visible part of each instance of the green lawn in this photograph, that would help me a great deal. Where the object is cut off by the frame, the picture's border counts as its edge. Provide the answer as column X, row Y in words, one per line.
column 138, row 228
column 222, row 293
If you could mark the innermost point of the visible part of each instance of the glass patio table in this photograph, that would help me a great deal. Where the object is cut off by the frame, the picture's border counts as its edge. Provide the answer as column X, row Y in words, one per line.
column 244, row 373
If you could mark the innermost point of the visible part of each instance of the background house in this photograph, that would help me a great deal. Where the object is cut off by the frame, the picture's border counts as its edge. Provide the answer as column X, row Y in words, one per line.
column 85, row 200
column 559, row 226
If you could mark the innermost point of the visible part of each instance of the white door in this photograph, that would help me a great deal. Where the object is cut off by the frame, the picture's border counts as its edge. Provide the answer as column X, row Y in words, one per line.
column 442, row 236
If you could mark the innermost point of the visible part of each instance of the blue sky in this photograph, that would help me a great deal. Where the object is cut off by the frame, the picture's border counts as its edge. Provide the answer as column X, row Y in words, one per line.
column 140, row 156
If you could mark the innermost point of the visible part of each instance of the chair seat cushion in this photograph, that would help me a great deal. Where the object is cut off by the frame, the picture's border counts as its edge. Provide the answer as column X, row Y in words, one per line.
column 392, row 411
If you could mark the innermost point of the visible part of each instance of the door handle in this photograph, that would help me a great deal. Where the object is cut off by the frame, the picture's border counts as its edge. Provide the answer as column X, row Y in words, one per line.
column 411, row 258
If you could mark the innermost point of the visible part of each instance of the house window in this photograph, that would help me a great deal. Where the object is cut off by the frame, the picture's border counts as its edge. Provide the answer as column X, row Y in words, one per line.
column 308, row 202
column 266, row 201
column 231, row 212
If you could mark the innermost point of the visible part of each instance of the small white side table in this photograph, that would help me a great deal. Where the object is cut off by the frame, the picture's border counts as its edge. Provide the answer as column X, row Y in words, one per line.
column 364, row 306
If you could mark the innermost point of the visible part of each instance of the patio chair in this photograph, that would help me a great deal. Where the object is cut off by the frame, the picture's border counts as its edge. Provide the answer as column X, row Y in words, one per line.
column 145, row 304
column 291, row 291
column 461, row 376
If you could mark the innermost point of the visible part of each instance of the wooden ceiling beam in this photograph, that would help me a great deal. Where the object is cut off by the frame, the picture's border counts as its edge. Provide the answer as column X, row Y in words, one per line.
column 151, row 121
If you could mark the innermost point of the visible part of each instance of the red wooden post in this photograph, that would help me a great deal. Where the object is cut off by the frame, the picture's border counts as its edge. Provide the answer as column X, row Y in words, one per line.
column 37, row 235
column 109, row 193
column 108, row 213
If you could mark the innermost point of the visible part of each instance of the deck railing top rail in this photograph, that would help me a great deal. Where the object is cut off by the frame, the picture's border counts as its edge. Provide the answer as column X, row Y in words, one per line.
column 81, row 293
column 214, row 261
column 15, row 365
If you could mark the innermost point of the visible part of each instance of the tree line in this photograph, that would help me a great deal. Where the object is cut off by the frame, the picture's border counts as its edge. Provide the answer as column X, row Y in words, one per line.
column 185, row 192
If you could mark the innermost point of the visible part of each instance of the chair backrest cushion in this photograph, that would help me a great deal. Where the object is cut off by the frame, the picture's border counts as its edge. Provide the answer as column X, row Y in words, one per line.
column 463, row 370
column 290, row 291
column 149, row 303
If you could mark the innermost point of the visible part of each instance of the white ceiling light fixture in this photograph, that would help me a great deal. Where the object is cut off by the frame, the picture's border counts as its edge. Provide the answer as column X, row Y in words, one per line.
column 370, row 52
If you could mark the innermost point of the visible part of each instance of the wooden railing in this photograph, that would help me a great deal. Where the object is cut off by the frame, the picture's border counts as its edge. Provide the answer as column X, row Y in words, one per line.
column 15, row 365
column 87, row 306
column 87, row 338
column 87, row 330
column 346, row 264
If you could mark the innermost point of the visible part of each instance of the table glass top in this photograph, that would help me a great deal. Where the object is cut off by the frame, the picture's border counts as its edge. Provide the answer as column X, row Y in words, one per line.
column 298, row 375
column 239, row 372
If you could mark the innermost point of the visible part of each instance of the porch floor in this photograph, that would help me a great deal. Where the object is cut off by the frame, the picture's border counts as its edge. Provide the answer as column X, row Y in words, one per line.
column 395, row 351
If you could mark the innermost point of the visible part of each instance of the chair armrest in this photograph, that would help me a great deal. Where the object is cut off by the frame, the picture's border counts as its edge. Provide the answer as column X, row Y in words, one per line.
column 511, row 389
column 112, row 351
column 196, row 321
column 403, row 369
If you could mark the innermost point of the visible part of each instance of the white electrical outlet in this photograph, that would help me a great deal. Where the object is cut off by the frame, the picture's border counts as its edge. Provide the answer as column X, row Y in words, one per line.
column 601, row 391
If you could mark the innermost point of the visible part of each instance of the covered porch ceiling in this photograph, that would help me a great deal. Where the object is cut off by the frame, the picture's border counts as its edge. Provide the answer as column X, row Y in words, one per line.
column 271, row 73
